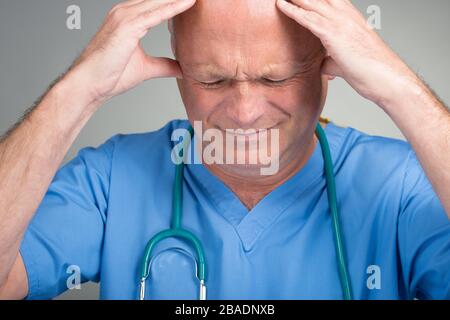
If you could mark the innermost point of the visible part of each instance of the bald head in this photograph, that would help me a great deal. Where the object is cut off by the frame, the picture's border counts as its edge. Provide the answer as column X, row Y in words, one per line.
column 240, row 29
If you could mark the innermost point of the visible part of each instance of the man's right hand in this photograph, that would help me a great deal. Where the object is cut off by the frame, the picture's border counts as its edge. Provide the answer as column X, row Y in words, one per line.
column 31, row 153
column 114, row 61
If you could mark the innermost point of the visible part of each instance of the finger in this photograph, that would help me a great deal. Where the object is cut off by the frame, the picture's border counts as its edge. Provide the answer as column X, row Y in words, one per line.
column 308, row 19
column 125, row 4
column 131, row 3
column 162, row 67
column 331, row 68
column 151, row 16
column 146, row 5
column 319, row 6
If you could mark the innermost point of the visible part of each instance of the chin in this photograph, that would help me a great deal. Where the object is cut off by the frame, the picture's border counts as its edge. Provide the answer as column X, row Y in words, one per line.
column 244, row 171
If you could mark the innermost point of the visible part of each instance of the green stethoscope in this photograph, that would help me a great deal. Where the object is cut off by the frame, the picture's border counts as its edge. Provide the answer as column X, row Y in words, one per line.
column 177, row 231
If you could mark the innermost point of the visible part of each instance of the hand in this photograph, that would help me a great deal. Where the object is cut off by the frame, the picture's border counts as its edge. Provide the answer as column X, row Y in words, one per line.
column 355, row 52
column 114, row 61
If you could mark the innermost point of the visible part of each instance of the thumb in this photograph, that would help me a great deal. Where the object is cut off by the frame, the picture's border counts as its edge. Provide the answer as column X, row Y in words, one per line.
column 161, row 67
column 331, row 68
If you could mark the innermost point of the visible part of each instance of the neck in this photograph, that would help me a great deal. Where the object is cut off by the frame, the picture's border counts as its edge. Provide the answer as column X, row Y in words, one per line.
column 250, row 190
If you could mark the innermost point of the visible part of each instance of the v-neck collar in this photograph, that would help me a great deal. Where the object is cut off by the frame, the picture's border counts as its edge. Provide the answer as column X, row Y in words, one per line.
column 250, row 224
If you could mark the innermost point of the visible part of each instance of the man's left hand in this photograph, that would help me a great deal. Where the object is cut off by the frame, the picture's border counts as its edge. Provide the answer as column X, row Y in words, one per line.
column 357, row 54
column 355, row 51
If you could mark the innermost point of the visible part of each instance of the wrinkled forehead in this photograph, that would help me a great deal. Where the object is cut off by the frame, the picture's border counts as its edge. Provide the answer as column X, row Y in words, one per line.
column 210, row 13
column 253, row 31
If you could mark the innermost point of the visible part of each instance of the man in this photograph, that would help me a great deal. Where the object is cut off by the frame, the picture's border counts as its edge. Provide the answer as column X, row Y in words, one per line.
column 239, row 64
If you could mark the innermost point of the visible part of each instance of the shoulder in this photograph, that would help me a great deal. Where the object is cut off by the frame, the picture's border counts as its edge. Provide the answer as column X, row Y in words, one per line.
column 355, row 141
column 350, row 145
column 132, row 150
column 374, row 164
column 160, row 138
column 147, row 144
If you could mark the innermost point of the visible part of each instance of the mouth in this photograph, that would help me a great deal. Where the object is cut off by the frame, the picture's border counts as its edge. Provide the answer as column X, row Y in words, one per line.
column 241, row 133
column 246, row 132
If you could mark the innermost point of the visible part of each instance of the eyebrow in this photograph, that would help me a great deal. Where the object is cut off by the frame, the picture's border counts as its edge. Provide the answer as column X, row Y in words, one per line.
column 207, row 69
column 280, row 70
column 283, row 70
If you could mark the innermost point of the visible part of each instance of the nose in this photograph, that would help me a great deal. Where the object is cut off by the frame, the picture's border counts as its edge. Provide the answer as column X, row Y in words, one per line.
column 247, row 106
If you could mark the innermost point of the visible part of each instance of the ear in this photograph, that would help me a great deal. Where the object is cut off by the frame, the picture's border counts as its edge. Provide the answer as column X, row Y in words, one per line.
column 331, row 68
column 328, row 66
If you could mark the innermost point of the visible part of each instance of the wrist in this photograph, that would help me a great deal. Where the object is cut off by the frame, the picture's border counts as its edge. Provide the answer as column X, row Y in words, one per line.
column 68, row 105
column 411, row 107
column 401, row 92
column 75, row 87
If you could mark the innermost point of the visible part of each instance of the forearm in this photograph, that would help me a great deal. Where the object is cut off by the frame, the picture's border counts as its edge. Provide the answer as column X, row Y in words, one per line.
column 30, row 156
column 113, row 62
column 425, row 122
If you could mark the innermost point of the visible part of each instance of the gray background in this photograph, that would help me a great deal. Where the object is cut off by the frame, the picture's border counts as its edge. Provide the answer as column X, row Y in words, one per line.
column 36, row 46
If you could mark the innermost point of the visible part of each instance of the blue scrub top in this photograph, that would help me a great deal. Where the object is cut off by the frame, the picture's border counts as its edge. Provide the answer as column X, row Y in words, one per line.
column 104, row 205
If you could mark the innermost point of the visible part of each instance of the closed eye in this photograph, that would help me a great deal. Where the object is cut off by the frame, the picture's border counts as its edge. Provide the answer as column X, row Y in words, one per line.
column 219, row 83
column 214, row 84
column 274, row 82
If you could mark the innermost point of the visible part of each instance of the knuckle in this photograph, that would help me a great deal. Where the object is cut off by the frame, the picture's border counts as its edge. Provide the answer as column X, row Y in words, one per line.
column 156, row 13
column 120, row 5
column 168, row 5
column 151, row 13
column 333, row 2
column 117, row 14
column 114, row 9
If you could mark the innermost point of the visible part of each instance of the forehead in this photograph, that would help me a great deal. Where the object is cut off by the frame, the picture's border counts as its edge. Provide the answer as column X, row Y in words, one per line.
column 224, row 36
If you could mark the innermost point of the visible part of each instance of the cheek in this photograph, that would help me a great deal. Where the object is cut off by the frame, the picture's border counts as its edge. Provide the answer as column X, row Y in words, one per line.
column 303, row 98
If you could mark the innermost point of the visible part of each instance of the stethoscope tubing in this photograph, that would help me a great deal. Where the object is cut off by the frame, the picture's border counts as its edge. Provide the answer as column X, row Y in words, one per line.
column 177, row 231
